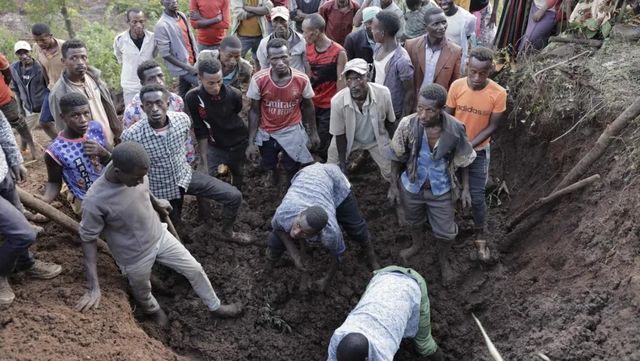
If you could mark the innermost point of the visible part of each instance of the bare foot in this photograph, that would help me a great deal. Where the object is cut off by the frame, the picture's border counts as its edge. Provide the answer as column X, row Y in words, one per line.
column 228, row 311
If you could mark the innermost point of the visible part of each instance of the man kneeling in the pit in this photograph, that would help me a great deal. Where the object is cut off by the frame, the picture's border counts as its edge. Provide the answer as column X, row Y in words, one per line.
column 317, row 203
column 120, row 205
column 394, row 306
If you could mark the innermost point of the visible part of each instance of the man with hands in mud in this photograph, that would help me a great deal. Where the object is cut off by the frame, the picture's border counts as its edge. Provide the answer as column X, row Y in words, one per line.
column 120, row 206
column 318, row 202
column 426, row 149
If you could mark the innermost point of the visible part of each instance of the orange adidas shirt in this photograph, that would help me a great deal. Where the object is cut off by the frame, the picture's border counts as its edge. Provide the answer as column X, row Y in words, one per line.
column 474, row 107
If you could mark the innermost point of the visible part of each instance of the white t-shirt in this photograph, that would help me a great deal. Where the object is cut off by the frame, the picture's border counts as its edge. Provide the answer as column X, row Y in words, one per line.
column 460, row 26
column 381, row 66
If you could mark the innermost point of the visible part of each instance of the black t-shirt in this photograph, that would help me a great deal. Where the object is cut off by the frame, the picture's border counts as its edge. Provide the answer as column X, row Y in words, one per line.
column 138, row 42
column 217, row 118
column 476, row 5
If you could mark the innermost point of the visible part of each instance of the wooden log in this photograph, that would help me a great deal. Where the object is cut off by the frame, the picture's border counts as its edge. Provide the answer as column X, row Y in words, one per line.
column 550, row 198
column 588, row 42
column 612, row 130
column 53, row 214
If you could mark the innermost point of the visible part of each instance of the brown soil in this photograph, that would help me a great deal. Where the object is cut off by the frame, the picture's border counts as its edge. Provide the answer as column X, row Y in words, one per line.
column 568, row 287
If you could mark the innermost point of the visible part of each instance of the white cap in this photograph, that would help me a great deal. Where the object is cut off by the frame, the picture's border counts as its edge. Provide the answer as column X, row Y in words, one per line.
column 21, row 45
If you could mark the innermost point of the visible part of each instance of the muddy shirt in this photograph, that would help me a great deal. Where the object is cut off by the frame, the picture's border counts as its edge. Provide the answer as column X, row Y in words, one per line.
column 321, row 185
column 388, row 312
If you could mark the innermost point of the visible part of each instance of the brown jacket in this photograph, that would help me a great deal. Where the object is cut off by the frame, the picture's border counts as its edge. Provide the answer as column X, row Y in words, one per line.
column 447, row 68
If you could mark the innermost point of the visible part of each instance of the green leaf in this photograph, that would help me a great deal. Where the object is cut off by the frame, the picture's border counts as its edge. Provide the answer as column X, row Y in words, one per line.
column 606, row 29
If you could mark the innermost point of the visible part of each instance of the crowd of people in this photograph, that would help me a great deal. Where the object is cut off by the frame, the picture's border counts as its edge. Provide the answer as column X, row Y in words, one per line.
column 330, row 84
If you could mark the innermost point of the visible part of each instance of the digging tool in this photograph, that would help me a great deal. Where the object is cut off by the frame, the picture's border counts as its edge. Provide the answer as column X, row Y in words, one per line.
column 165, row 219
column 30, row 201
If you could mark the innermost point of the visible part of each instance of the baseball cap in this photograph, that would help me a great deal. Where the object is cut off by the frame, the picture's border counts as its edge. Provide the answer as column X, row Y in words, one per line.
column 358, row 65
column 369, row 13
column 21, row 45
column 280, row 12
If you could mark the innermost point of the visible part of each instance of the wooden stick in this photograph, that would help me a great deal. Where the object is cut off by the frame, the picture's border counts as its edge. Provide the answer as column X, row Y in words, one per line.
column 53, row 214
column 550, row 198
column 612, row 130
column 589, row 42
column 534, row 76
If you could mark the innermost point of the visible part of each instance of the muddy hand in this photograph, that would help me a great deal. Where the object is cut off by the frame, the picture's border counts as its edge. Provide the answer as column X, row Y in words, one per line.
column 252, row 152
column 91, row 299
column 465, row 198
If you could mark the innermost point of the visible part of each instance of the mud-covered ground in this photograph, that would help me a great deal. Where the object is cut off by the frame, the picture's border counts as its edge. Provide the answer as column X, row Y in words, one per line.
column 568, row 287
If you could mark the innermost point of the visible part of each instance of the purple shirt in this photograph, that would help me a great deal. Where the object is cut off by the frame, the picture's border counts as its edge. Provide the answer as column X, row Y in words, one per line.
column 398, row 69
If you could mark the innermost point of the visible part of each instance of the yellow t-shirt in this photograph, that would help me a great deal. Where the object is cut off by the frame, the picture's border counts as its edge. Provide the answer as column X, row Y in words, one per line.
column 463, row 4
column 474, row 107
column 250, row 26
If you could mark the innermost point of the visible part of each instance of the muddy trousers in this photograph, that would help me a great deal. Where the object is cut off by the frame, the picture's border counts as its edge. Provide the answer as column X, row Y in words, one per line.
column 18, row 234
column 478, row 175
column 208, row 187
column 171, row 253
column 350, row 219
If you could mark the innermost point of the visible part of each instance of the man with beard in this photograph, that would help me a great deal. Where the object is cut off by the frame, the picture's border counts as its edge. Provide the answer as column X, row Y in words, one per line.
column 434, row 58
column 79, row 77
column 362, row 118
column 131, row 48
column 282, row 30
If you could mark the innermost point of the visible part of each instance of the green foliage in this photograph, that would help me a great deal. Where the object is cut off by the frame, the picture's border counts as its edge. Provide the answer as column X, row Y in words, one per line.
column 152, row 8
column 7, row 39
column 99, row 41
column 590, row 29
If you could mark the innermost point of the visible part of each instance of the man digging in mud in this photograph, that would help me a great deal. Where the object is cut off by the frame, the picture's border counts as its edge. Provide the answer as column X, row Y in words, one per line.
column 426, row 149
column 394, row 306
column 317, row 203
column 120, row 206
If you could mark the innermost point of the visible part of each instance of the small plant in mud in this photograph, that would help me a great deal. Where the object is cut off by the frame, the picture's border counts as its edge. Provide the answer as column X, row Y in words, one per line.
column 267, row 317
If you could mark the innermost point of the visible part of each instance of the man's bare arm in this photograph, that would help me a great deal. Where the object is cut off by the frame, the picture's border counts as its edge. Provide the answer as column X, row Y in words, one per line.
column 342, row 61
column 494, row 123
column 204, row 22
column 173, row 60
column 409, row 98
column 91, row 299
column 341, row 145
column 54, row 181
column 292, row 249
column 256, row 10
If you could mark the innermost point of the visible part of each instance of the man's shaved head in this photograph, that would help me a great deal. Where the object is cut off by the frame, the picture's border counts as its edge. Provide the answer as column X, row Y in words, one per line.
column 316, row 22
column 316, row 217
column 353, row 347
column 230, row 42
column 130, row 157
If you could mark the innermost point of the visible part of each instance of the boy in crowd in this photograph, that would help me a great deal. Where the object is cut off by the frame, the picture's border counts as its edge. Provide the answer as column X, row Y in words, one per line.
column 79, row 77
column 280, row 102
column 317, row 203
column 221, row 133
column 326, row 59
column 150, row 72
column 163, row 135
column 236, row 71
column 120, row 206
column 78, row 154
column 479, row 103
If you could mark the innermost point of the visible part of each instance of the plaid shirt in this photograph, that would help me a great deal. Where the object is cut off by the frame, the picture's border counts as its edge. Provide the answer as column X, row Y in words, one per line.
column 9, row 153
column 169, row 168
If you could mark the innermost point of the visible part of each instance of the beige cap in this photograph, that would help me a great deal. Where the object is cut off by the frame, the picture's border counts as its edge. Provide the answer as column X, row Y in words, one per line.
column 21, row 45
column 280, row 12
column 358, row 65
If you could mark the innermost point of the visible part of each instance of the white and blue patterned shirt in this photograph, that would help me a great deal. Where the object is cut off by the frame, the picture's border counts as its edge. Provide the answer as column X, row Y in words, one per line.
column 388, row 311
column 9, row 153
column 169, row 168
column 321, row 185
column 435, row 171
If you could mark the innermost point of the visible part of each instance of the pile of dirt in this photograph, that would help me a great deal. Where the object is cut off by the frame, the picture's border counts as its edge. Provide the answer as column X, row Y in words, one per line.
column 568, row 287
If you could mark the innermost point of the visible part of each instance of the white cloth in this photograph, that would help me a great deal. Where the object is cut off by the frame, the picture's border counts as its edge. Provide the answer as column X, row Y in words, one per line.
column 388, row 312
column 461, row 29
column 130, row 57
column 381, row 68
column 430, row 61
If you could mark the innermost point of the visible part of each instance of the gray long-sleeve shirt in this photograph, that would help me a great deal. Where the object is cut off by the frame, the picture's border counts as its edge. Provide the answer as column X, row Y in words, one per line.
column 131, row 226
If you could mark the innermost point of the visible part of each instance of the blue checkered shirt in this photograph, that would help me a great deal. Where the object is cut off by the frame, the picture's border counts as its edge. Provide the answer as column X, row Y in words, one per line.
column 169, row 168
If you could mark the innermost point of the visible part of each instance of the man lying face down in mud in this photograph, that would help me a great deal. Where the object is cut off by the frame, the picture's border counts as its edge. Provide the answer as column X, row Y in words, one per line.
column 394, row 306
column 317, row 203
column 120, row 206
